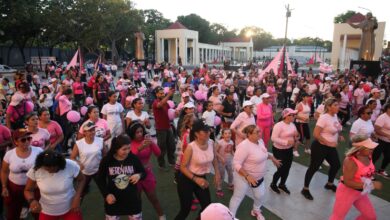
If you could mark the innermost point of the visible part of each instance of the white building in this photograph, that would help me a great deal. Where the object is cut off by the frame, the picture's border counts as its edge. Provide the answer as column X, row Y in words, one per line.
column 177, row 41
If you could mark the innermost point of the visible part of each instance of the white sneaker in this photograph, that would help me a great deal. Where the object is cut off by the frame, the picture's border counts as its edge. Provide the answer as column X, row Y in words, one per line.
column 162, row 217
column 325, row 163
column 348, row 123
column 296, row 154
column 24, row 213
column 257, row 214
column 308, row 151
column 384, row 174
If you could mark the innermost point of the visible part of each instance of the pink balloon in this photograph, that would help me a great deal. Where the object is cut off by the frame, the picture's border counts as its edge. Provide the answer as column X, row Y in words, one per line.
column 171, row 114
column 173, row 78
column 73, row 116
column 88, row 101
column 199, row 95
column 142, row 90
column 217, row 121
column 171, row 104
column 166, row 90
column 204, row 95
column 30, row 104
column 200, row 108
column 83, row 110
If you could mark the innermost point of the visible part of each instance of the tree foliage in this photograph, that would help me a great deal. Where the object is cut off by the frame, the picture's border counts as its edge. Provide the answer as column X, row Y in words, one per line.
column 343, row 17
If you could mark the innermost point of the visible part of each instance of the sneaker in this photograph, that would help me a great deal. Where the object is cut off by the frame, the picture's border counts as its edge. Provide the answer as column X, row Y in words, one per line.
column 194, row 207
column 308, row 151
column 274, row 188
column 326, row 163
column 284, row 189
column 257, row 214
column 24, row 213
column 330, row 187
column 306, row 193
column 296, row 154
column 384, row 174
column 348, row 123
column 163, row 217
column 219, row 193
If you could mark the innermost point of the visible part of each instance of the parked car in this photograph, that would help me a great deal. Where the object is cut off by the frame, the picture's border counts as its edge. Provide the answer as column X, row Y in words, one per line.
column 6, row 69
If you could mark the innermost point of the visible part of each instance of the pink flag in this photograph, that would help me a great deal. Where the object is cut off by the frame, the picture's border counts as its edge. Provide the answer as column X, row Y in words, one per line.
column 273, row 65
column 73, row 62
column 289, row 68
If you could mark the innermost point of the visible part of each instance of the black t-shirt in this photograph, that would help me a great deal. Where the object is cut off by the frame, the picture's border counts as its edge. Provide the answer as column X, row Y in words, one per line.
column 229, row 108
column 113, row 178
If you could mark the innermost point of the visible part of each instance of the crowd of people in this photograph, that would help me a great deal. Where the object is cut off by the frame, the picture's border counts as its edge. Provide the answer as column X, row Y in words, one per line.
column 70, row 126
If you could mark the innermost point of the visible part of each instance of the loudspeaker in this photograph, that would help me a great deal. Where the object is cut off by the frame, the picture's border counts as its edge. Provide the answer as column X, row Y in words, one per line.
column 367, row 68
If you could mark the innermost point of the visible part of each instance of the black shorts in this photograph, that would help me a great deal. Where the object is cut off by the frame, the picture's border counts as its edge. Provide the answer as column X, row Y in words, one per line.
column 303, row 130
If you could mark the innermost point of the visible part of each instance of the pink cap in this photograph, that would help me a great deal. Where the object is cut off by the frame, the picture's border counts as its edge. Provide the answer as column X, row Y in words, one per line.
column 88, row 101
column 368, row 143
column 288, row 111
column 374, row 90
column 216, row 211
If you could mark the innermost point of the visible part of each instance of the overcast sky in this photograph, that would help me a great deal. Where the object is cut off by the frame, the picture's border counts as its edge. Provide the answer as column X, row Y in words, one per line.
column 309, row 18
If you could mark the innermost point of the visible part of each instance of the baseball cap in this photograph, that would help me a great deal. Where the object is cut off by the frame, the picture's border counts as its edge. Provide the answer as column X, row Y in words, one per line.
column 328, row 78
column 265, row 95
column 88, row 126
column 247, row 103
column 189, row 105
column 185, row 94
column 368, row 143
column 53, row 80
column 16, row 99
column 216, row 211
column 375, row 90
column 19, row 133
column 288, row 111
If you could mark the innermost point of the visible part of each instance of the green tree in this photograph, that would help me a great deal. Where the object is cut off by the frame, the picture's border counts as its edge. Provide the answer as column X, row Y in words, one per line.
column 261, row 38
column 197, row 23
column 342, row 18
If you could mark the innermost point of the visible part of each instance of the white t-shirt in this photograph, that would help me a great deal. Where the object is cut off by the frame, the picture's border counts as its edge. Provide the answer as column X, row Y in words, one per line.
column 383, row 121
column 113, row 112
column 20, row 166
column 295, row 93
column 255, row 100
column 39, row 138
column 90, row 155
column 209, row 117
column 131, row 114
column 361, row 127
column 330, row 127
column 56, row 189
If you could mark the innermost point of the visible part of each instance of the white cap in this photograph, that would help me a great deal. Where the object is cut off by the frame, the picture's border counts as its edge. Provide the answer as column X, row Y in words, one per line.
column 247, row 103
column 265, row 95
column 328, row 78
column 216, row 211
column 189, row 105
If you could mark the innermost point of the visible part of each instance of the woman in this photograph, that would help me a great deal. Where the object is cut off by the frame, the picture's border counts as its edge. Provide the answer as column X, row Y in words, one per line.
column 249, row 163
column 198, row 159
column 88, row 152
column 215, row 99
column 64, row 106
column 100, row 90
column 137, row 114
column 15, row 165
column 58, row 201
column 372, row 104
column 117, row 179
column 326, row 134
column 363, row 125
column 46, row 99
column 143, row 147
column 375, row 96
column 78, row 90
column 229, row 109
column 256, row 100
column 40, row 136
column 382, row 130
column 54, row 129
column 113, row 113
column 265, row 118
column 284, row 137
column 302, row 122
column 358, row 95
column 344, row 113
column 101, row 129
column 244, row 119
column 17, row 109
column 356, row 182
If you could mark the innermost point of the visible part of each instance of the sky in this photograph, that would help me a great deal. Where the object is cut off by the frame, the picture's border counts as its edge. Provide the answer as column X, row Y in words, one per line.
column 309, row 18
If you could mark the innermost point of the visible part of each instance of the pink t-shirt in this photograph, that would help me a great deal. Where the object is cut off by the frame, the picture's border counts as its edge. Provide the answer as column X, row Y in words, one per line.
column 19, row 111
column 265, row 116
column 225, row 148
column 330, row 127
column 216, row 102
column 39, row 139
column 252, row 158
column 77, row 88
column 242, row 120
column 282, row 133
column 5, row 134
column 146, row 153
column 100, row 130
column 383, row 121
column 344, row 100
column 54, row 130
column 201, row 160
column 359, row 95
column 64, row 104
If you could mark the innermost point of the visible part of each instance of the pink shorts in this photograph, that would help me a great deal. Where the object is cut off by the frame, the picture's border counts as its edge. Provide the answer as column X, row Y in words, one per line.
column 149, row 183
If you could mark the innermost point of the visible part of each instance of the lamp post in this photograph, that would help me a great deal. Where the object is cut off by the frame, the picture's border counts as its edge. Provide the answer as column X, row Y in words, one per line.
column 288, row 14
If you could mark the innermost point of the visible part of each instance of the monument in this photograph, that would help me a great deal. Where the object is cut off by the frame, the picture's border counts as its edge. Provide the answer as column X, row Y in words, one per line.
column 139, row 46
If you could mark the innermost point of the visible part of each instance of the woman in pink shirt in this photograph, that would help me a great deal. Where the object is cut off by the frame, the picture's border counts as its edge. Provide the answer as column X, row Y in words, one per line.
column 344, row 114
column 54, row 129
column 356, row 182
column 358, row 95
column 40, row 136
column 215, row 98
column 273, row 94
column 250, row 165
column 78, row 91
column 143, row 147
column 244, row 119
column 284, row 137
column 198, row 159
column 265, row 118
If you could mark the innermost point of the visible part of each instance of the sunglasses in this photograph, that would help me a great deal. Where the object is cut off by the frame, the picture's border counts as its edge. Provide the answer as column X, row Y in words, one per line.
column 24, row 139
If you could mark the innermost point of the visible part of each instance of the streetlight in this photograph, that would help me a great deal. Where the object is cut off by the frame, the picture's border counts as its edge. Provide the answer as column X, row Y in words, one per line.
column 288, row 14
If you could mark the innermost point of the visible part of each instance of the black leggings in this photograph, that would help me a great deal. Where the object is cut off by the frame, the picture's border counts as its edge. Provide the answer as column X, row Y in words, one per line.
column 185, row 189
column 319, row 152
column 344, row 117
column 383, row 147
column 286, row 157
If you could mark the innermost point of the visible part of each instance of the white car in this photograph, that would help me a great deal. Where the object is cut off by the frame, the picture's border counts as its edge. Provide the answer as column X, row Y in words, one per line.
column 6, row 69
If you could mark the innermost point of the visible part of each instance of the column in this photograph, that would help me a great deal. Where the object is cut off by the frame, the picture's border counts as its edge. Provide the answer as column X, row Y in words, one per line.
column 162, row 50
column 343, row 52
column 176, row 52
column 234, row 54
